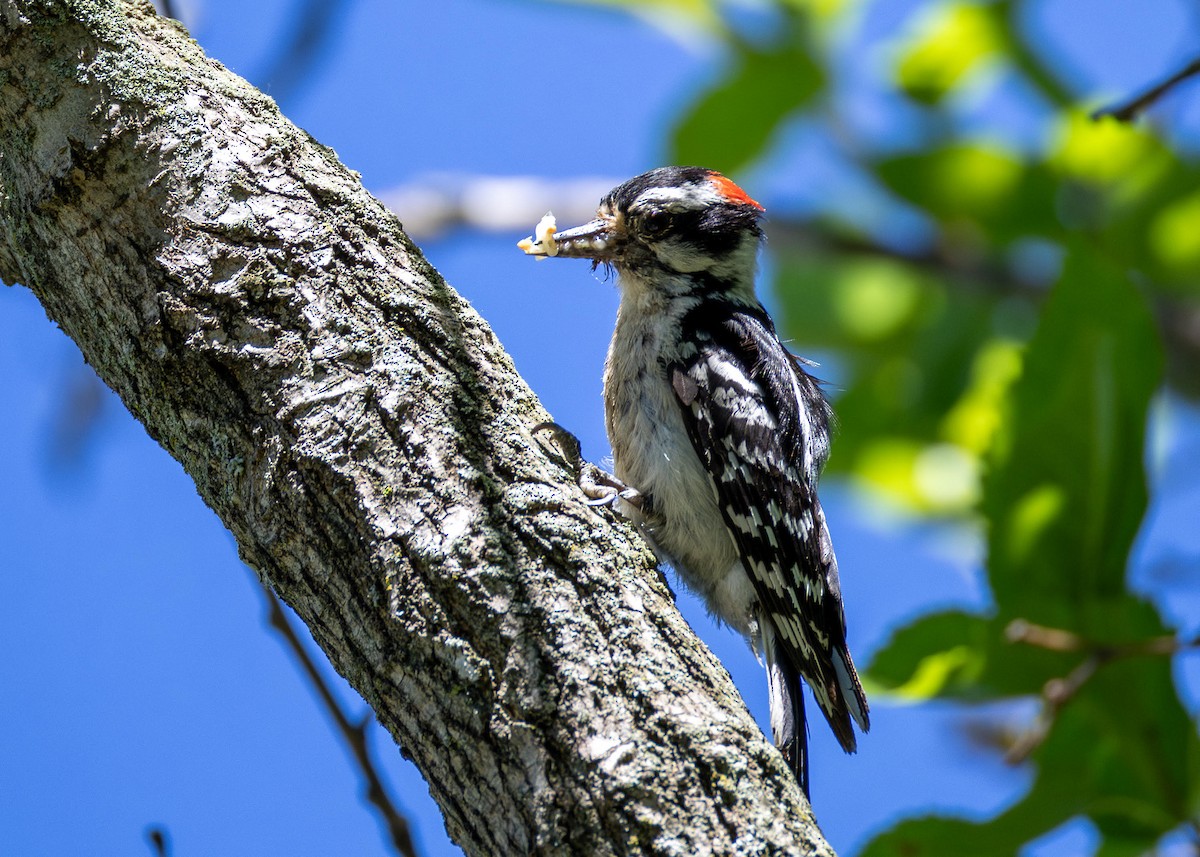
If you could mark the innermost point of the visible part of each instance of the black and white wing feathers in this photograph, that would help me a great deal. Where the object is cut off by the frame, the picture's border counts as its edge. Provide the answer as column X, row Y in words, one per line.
column 760, row 425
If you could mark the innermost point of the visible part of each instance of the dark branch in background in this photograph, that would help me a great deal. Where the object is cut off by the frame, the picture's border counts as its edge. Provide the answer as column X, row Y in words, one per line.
column 1131, row 109
column 316, row 25
column 978, row 271
column 1033, row 62
column 1059, row 691
column 82, row 400
column 160, row 842
column 354, row 734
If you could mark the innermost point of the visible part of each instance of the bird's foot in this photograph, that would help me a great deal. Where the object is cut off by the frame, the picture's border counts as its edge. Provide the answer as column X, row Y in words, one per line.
column 600, row 486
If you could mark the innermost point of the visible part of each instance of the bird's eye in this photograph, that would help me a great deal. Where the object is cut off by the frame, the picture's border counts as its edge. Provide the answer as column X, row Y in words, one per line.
column 656, row 221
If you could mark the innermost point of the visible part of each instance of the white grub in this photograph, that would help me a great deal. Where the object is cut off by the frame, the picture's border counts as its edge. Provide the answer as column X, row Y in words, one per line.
column 542, row 243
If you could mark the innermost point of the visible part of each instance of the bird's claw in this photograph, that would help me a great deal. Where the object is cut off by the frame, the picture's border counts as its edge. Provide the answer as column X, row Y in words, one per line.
column 599, row 486
column 604, row 489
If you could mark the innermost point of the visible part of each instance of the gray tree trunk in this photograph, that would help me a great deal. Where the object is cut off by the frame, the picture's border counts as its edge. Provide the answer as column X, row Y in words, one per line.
column 362, row 433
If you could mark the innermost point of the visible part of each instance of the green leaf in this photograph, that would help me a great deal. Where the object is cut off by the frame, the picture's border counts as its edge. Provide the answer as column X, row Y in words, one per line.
column 1174, row 235
column 951, row 43
column 823, row 10
column 925, row 372
column 934, row 836
column 1115, row 753
column 1065, row 499
column 977, row 184
column 731, row 124
column 1067, row 492
column 938, row 655
column 957, row 655
column 1105, row 151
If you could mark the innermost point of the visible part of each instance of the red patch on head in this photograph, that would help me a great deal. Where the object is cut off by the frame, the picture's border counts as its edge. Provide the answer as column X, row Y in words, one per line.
column 731, row 192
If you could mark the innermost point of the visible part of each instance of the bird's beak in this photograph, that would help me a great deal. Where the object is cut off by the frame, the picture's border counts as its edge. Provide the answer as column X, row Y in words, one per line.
column 594, row 240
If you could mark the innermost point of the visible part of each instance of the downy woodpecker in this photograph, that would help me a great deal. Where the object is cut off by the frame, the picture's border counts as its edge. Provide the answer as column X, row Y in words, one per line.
column 719, row 434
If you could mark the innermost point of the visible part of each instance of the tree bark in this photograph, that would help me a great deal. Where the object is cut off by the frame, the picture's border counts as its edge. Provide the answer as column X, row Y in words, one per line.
column 362, row 433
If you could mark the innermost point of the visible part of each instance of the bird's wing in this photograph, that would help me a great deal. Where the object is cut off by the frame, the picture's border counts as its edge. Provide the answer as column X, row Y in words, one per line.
column 762, row 433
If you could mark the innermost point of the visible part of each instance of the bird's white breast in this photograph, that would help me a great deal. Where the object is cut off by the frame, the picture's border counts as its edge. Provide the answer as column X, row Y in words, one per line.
column 652, row 453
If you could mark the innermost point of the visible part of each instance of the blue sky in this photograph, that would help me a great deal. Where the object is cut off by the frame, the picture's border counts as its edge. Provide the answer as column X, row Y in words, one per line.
column 140, row 685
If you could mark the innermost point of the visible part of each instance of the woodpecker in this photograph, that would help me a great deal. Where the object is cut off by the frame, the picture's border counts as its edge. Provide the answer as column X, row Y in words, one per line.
column 719, row 434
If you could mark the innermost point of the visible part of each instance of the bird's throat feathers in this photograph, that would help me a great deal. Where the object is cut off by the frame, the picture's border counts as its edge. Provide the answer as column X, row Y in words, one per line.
column 675, row 272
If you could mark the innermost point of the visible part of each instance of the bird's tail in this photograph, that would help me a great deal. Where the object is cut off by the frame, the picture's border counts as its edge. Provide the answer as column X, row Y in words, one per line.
column 850, row 688
column 841, row 698
column 788, row 726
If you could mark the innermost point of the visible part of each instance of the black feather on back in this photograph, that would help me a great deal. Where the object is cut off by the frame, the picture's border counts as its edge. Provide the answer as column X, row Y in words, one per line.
column 760, row 425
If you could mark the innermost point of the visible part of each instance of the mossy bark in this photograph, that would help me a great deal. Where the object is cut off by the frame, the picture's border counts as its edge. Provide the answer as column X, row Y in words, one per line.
column 362, row 433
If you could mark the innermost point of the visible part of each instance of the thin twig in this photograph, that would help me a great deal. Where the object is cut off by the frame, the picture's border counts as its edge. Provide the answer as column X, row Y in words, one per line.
column 1058, row 640
column 313, row 33
column 159, row 841
column 1129, row 110
column 1054, row 639
column 1057, row 692
column 354, row 733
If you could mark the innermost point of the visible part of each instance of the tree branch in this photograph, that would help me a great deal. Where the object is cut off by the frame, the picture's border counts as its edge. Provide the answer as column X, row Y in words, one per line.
column 1129, row 110
column 160, row 842
column 354, row 734
column 1057, row 692
column 365, row 438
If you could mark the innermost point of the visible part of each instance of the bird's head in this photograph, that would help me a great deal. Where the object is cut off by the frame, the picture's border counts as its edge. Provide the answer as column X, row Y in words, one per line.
column 673, row 229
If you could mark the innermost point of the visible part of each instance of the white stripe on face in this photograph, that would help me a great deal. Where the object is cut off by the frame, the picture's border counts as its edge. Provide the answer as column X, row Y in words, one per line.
column 691, row 197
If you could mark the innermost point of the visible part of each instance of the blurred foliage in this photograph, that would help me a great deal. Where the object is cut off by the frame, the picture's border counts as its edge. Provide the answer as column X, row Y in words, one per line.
column 996, row 365
column 766, row 86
